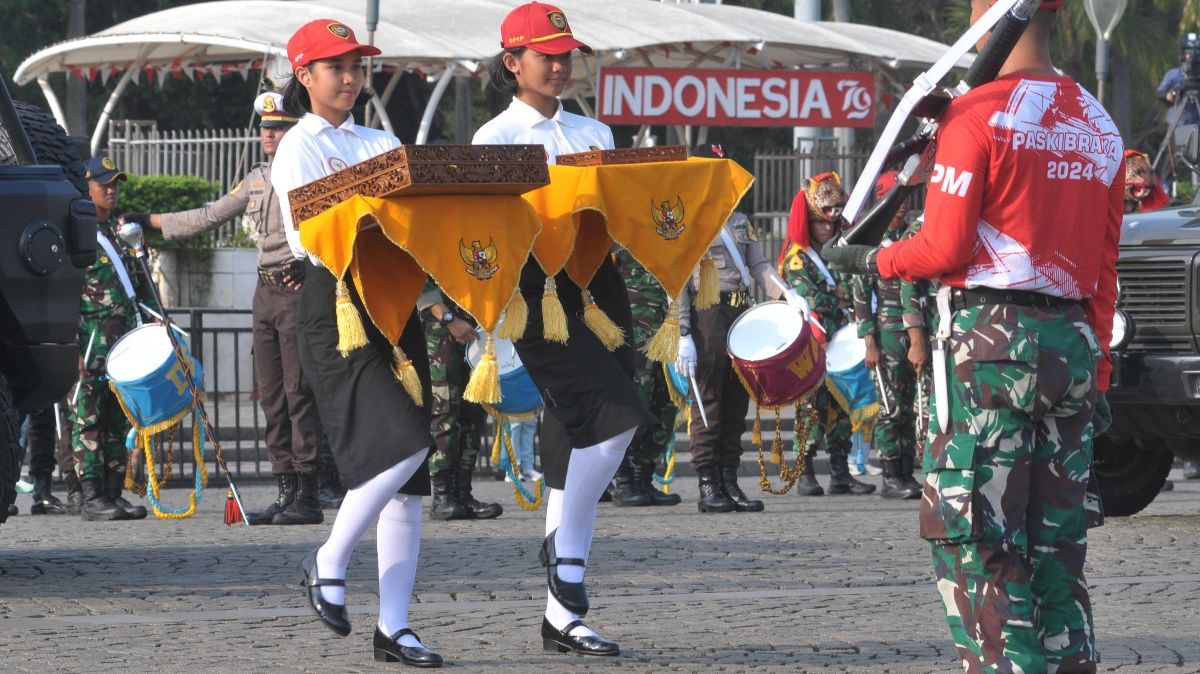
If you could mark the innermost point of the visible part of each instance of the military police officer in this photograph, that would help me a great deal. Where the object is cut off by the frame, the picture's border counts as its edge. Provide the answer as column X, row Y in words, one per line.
column 456, row 423
column 108, row 309
column 293, row 428
column 717, row 448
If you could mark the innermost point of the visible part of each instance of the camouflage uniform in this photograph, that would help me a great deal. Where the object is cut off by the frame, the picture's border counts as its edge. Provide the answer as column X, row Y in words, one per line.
column 1005, row 489
column 649, row 302
column 98, row 425
column 919, row 300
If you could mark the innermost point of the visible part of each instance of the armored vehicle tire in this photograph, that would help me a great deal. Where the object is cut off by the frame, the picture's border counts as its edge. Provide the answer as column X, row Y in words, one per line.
column 51, row 144
column 10, row 450
column 1130, row 476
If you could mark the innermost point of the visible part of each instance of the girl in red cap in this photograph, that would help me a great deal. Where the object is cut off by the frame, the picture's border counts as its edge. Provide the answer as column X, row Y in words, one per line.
column 592, row 405
column 380, row 437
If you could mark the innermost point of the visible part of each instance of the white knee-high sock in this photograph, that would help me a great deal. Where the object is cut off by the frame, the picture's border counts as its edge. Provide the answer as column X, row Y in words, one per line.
column 589, row 472
column 360, row 508
column 398, row 541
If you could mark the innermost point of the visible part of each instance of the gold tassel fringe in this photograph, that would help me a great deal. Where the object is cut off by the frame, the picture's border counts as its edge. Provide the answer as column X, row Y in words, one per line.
column 609, row 333
column 663, row 347
column 709, row 293
column 351, row 334
column 484, row 385
column 406, row 374
column 516, row 315
column 756, row 434
column 554, row 318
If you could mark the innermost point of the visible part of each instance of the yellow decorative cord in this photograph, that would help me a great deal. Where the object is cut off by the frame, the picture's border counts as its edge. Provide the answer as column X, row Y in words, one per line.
column 351, row 333
column 554, row 318
column 524, row 503
column 709, row 293
column 152, row 478
column 609, row 333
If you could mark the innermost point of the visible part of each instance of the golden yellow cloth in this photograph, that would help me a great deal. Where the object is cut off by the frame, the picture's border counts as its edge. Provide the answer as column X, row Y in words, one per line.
column 666, row 214
column 473, row 246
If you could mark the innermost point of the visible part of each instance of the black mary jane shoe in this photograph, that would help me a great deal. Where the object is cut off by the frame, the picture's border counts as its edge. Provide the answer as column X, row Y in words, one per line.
column 573, row 596
column 388, row 649
column 333, row 615
column 562, row 641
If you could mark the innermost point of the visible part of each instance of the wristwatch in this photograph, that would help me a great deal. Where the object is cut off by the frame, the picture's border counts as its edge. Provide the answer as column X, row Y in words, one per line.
column 446, row 317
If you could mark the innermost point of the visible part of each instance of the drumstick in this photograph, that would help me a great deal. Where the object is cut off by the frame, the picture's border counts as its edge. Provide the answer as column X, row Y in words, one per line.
column 155, row 314
column 87, row 354
column 699, row 400
column 887, row 409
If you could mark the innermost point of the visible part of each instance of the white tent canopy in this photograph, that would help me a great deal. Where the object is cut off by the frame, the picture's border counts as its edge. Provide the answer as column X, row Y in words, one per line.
column 453, row 37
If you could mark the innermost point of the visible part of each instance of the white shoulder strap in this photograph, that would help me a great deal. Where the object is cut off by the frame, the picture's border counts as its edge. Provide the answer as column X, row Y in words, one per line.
column 115, row 257
column 735, row 255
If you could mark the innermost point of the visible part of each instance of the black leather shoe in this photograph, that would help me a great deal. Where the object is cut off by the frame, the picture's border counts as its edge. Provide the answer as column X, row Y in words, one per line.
column 333, row 615
column 388, row 649
column 712, row 497
column 729, row 485
column 563, row 642
column 573, row 596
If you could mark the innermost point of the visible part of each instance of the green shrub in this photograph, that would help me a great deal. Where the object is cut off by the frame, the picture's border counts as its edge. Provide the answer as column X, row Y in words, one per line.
column 167, row 194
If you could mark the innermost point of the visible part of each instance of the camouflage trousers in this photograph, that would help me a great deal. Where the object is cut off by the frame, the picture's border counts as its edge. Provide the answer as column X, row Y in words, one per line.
column 832, row 429
column 98, row 429
column 1004, row 501
column 456, row 424
column 895, row 435
column 651, row 440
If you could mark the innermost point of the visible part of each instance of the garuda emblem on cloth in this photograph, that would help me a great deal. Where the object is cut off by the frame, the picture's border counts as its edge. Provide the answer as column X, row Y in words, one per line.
column 480, row 259
column 668, row 219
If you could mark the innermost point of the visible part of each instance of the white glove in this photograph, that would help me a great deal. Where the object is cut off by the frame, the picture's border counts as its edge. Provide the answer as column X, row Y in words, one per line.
column 797, row 302
column 685, row 364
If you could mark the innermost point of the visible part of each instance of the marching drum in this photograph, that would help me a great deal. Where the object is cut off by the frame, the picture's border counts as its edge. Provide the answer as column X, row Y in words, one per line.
column 149, row 379
column 775, row 353
column 853, row 388
column 518, row 394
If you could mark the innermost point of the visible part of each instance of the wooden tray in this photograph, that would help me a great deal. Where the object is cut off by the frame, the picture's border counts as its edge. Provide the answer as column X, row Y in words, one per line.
column 630, row 155
column 415, row 170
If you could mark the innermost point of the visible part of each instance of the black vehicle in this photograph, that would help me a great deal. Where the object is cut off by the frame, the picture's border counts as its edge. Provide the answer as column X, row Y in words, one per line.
column 1155, row 389
column 47, row 240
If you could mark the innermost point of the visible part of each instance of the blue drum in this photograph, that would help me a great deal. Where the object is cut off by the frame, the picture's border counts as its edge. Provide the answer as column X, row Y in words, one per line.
column 851, row 383
column 149, row 379
column 518, row 394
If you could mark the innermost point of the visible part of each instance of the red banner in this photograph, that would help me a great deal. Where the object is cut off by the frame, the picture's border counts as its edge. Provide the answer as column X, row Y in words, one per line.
column 719, row 97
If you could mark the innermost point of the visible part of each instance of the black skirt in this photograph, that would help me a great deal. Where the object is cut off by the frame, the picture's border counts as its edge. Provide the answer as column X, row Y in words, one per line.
column 371, row 422
column 588, row 390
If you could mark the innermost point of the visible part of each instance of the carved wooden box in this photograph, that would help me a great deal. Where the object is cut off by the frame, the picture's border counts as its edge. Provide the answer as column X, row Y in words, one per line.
column 630, row 155
column 414, row 170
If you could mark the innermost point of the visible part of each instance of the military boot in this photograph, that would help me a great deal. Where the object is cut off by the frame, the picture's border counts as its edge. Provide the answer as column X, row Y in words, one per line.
column 74, row 494
column 96, row 504
column 728, row 479
column 643, row 479
column 894, row 486
column 476, row 510
column 445, row 505
column 840, row 481
column 329, row 489
column 305, row 508
column 624, row 490
column 286, row 483
column 45, row 503
column 807, row 484
column 712, row 497
column 906, row 473
column 114, row 482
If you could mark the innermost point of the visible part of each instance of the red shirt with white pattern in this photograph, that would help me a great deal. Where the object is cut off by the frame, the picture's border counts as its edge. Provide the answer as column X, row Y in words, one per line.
column 1027, row 193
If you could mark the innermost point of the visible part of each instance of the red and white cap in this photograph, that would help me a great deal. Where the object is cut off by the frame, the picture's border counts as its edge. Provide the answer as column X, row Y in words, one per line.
column 324, row 39
column 540, row 27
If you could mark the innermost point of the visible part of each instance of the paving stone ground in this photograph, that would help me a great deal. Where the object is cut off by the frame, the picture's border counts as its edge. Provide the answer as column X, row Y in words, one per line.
column 832, row 584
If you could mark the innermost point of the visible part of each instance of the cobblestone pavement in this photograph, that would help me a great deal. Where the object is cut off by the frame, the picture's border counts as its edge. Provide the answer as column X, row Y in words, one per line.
column 813, row 584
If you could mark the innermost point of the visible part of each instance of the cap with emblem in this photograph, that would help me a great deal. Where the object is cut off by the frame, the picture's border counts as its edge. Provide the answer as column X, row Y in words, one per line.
column 102, row 169
column 540, row 27
column 324, row 39
column 269, row 106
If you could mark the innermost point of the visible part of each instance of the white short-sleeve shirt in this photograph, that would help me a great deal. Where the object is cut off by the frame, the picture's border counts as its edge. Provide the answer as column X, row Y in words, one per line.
column 563, row 133
column 313, row 149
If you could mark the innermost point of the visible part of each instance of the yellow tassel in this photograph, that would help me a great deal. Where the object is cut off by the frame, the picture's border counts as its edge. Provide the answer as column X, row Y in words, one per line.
column 351, row 334
column 484, row 385
column 709, row 293
column 498, row 441
column 406, row 374
column 663, row 347
column 777, row 443
column 756, row 434
column 609, row 333
column 554, row 318
column 516, row 315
